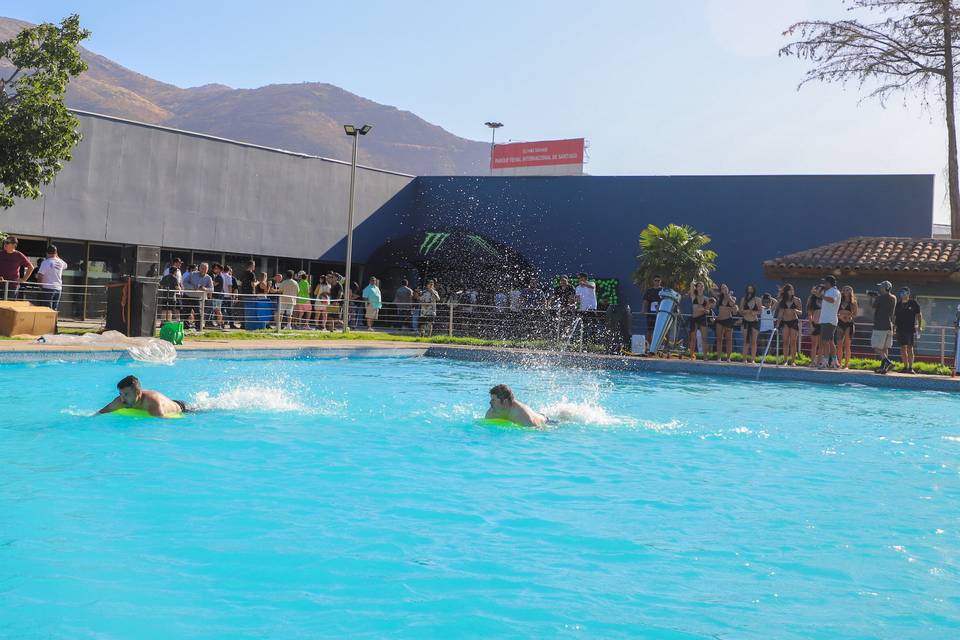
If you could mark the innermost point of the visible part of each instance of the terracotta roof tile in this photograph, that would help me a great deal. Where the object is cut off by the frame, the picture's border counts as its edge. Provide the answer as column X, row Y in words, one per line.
column 926, row 255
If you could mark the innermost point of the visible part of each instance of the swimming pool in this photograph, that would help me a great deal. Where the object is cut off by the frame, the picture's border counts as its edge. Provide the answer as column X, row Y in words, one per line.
column 352, row 497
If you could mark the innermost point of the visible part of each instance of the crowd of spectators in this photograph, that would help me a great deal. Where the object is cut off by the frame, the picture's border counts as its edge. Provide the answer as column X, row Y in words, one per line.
column 829, row 311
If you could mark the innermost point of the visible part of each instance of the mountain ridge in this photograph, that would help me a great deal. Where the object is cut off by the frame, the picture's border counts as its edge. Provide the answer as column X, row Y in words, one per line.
column 305, row 117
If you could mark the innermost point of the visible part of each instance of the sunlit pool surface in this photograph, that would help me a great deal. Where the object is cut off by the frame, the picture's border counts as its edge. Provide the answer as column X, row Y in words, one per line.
column 359, row 498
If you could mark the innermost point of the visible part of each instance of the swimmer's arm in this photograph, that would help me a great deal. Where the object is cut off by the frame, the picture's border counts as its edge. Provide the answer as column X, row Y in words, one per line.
column 113, row 406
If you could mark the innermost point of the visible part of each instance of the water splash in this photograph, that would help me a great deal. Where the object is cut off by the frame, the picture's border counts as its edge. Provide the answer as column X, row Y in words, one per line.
column 81, row 413
column 249, row 397
column 586, row 412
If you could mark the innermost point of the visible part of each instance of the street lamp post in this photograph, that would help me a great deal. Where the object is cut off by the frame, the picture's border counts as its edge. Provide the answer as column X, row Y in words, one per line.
column 493, row 139
column 355, row 133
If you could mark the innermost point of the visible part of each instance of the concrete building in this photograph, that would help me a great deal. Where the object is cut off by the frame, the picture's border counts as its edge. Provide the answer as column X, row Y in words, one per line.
column 135, row 195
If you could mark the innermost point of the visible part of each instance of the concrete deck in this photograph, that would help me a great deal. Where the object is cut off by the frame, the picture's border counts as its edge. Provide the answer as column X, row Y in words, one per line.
column 32, row 351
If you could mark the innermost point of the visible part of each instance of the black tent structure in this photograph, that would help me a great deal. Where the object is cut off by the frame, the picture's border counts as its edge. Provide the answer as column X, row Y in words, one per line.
column 456, row 259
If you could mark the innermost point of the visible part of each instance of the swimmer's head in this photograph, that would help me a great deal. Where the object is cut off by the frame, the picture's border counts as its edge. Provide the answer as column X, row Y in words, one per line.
column 501, row 397
column 129, row 390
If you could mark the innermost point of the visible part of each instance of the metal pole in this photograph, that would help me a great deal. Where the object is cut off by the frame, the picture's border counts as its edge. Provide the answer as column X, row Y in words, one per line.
column 450, row 329
column 346, row 284
column 493, row 144
column 943, row 345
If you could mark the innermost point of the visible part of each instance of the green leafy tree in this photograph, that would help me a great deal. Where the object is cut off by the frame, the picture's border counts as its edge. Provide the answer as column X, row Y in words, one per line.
column 675, row 253
column 37, row 132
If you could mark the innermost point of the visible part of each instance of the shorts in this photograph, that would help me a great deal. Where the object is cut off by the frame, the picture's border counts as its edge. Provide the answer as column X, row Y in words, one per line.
column 815, row 330
column 214, row 303
column 727, row 322
column 286, row 308
column 183, row 406
column 881, row 340
column 372, row 312
column 751, row 326
column 905, row 338
column 827, row 331
column 303, row 306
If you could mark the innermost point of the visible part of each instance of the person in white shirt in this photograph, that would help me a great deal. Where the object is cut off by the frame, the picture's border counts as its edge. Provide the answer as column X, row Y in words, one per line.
column 177, row 264
column 829, row 306
column 50, row 276
column 586, row 293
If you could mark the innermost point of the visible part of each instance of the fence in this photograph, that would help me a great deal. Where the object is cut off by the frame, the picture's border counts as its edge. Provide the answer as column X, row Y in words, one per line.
column 581, row 331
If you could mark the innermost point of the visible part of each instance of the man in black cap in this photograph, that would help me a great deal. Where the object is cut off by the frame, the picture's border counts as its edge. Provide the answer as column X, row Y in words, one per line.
column 884, row 304
column 909, row 322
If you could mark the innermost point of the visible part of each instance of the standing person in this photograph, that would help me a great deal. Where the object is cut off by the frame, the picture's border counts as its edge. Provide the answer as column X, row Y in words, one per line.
column 289, row 290
column 374, row 301
column 356, row 314
column 884, row 305
column 847, row 314
column 813, row 315
column 175, row 264
column 751, row 307
column 11, row 262
column 321, row 306
column 168, row 296
column 829, row 297
column 699, row 316
column 197, row 286
column 586, row 292
column 215, row 313
column 651, row 304
column 403, row 298
column 304, row 310
column 229, row 298
column 429, row 298
column 565, row 296
column 50, row 275
column 787, row 313
column 336, row 299
column 726, row 310
column 247, row 280
column 909, row 322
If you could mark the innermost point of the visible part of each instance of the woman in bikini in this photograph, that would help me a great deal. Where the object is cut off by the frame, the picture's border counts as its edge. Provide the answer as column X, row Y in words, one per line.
column 698, row 319
column 846, row 316
column 788, row 321
column 750, row 310
column 726, row 310
column 813, row 315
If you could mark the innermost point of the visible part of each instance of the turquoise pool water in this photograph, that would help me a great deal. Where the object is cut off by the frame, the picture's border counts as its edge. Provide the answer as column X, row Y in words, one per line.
column 359, row 498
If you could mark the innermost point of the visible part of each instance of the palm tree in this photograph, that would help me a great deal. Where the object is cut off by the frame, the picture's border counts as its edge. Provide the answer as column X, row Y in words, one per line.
column 676, row 254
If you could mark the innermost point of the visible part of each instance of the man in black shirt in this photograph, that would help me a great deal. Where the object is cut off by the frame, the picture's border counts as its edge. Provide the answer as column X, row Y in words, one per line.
column 651, row 303
column 884, row 303
column 247, row 280
column 909, row 322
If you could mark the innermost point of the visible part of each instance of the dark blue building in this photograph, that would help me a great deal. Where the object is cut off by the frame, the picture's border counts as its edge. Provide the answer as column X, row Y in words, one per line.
column 593, row 223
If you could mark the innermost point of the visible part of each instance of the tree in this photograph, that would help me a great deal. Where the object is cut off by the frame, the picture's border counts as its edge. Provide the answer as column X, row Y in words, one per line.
column 676, row 254
column 910, row 50
column 37, row 132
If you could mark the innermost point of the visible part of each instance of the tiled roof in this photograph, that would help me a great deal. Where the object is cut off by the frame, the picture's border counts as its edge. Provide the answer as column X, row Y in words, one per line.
column 923, row 256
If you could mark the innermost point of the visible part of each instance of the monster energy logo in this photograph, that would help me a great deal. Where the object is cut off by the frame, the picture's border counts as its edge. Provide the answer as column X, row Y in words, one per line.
column 432, row 242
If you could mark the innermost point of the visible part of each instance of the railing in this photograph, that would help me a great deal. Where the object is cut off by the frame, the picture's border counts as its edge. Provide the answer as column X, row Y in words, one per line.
column 83, row 304
column 86, row 305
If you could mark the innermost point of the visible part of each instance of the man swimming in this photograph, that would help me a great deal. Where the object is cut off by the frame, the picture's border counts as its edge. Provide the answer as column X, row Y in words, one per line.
column 503, row 406
column 153, row 402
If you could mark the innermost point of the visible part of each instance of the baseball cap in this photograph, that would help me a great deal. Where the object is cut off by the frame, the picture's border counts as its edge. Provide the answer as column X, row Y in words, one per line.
column 886, row 284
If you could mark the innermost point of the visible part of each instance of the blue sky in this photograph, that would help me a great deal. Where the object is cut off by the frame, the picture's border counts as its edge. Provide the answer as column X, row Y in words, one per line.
column 656, row 86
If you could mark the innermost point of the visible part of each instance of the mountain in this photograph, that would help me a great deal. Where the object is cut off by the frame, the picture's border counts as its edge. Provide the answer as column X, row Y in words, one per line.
column 306, row 117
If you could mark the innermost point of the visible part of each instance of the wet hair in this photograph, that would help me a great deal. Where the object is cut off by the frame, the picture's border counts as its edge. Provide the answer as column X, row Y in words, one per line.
column 129, row 381
column 502, row 392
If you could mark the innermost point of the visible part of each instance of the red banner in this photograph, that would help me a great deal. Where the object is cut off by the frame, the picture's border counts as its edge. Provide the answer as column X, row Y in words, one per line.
column 537, row 154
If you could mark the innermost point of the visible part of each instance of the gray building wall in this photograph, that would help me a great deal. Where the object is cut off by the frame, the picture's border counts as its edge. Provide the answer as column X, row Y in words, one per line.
column 140, row 184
